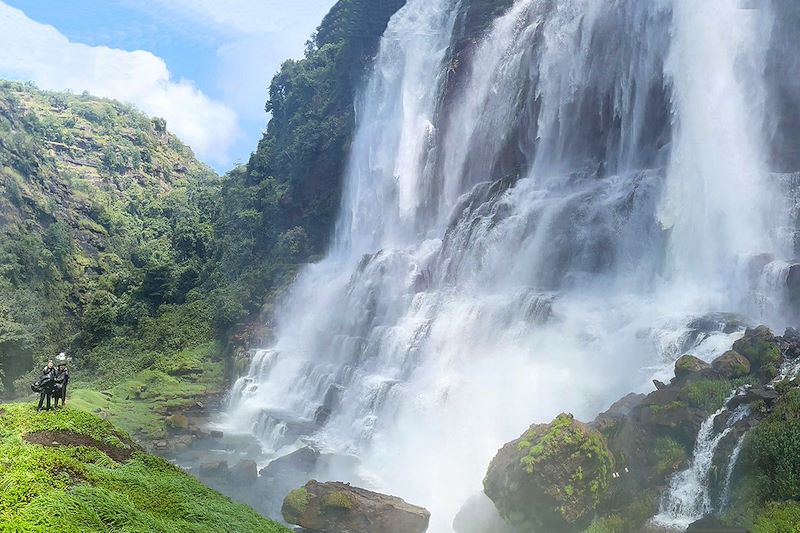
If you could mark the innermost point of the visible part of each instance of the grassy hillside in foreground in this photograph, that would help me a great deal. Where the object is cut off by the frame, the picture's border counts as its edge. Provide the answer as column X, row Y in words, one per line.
column 72, row 472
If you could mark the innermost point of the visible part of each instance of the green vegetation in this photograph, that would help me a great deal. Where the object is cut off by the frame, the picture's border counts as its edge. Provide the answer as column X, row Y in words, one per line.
column 120, row 248
column 772, row 447
column 707, row 394
column 581, row 451
column 669, row 455
column 609, row 524
column 81, row 488
column 277, row 211
column 106, row 230
column 779, row 518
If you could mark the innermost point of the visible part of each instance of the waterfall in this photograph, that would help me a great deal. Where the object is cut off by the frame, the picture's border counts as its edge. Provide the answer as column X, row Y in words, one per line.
column 687, row 499
column 530, row 232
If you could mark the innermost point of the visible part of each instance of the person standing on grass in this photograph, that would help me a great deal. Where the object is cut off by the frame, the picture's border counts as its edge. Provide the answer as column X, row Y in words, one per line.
column 60, row 387
column 47, row 382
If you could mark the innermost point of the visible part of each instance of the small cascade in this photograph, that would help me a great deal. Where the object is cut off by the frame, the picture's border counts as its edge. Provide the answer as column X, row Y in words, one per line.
column 725, row 498
column 687, row 499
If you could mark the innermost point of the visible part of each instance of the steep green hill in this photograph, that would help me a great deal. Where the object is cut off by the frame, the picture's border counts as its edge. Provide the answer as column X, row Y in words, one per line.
column 72, row 472
column 105, row 228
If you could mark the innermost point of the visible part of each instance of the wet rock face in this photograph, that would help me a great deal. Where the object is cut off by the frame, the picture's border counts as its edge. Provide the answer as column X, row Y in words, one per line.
column 335, row 507
column 551, row 478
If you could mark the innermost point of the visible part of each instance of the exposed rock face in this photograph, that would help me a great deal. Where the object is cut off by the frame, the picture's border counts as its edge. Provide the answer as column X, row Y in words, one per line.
column 552, row 478
column 335, row 507
column 731, row 365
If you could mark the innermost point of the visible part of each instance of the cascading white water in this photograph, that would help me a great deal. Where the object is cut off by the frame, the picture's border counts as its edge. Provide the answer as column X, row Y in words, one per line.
column 462, row 301
column 687, row 498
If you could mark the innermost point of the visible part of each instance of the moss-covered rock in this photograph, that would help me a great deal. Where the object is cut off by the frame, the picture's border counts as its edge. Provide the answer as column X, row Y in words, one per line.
column 762, row 349
column 689, row 364
column 731, row 365
column 337, row 506
column 552, row 477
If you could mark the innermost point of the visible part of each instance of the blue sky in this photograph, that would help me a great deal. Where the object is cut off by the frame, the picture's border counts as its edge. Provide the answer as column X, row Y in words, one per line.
column 204, row 65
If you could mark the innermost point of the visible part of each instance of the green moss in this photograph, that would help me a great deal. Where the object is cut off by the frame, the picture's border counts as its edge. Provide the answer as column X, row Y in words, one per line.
column 669, row 455
column 297, row 501
column 338, row 500
column 568, row 443
column 81, row 490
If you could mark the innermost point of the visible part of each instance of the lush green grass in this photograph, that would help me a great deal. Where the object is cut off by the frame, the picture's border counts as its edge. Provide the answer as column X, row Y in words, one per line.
column 81, row 490
column 140, row 403
column 779, row 518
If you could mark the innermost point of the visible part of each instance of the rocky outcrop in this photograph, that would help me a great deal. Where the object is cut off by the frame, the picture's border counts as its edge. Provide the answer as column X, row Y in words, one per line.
column 551, row 478
column 335, row 507
column 558, row 476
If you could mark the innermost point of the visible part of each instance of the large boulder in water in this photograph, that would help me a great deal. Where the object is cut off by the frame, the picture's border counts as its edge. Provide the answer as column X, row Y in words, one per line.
column 335, row 507
column 552, row 478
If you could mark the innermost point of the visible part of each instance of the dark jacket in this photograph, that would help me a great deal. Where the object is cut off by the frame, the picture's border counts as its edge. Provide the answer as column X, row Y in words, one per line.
column 60, row 382
column 48, row 380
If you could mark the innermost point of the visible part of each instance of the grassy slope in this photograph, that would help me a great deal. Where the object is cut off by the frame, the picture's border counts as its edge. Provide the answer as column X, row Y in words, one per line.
column 81, row 489
column 141, row 403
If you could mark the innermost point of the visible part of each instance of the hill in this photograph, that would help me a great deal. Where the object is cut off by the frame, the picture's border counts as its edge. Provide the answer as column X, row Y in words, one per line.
column 70, row 471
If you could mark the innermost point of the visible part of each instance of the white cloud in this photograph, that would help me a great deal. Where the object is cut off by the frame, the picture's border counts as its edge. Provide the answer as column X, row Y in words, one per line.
column 257, row 36
column 38, row 52
column 257, row 17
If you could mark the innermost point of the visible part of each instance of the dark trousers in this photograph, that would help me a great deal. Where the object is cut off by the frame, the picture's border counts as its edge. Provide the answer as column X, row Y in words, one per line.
column 42, row 396
column 60, row 394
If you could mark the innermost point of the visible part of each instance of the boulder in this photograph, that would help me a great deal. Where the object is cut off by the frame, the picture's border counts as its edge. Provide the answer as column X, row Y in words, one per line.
column 245, row 472
column 177, row 421
column 762, row 349
column 302, row 461
column 689, row 364
column 335, row 507
column 552, row 478
column 731, row 365
column 215, row 469
column 712, row 525
column 754, row 394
